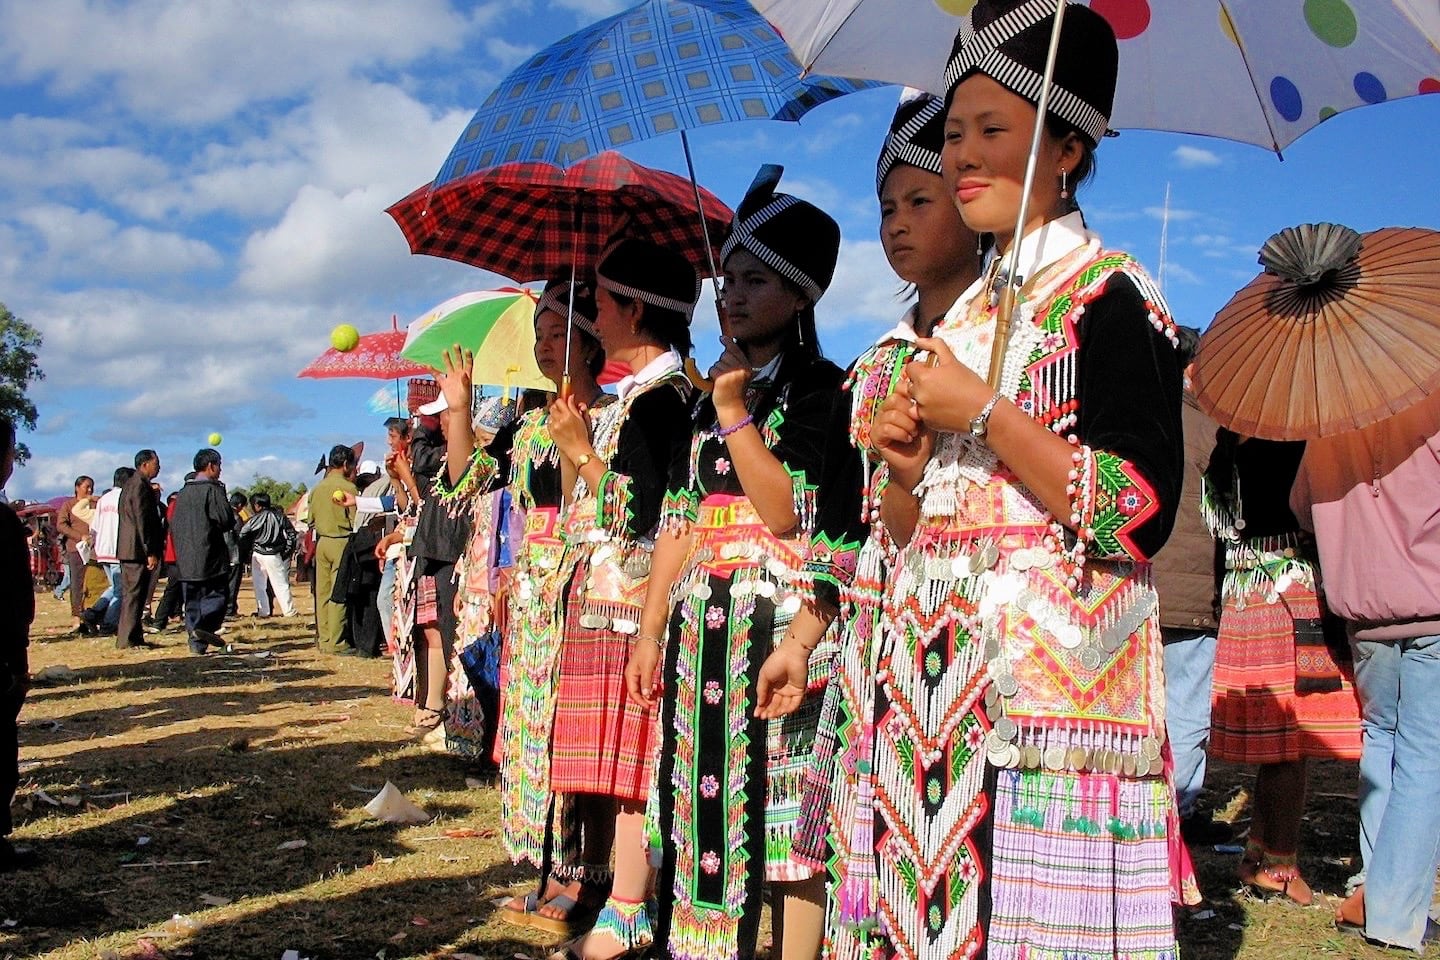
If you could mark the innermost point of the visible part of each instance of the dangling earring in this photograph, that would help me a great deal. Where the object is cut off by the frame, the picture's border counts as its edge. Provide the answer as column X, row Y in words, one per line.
column 800, row 327
column 1064, row 184
column 979, row 244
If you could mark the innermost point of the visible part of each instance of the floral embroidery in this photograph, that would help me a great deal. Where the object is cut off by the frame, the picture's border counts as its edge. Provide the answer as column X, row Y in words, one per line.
column 1130, row 501
column 974, row 736
column 712, row 692
column 714, row 617
column 709, row 787
column 722, row 466
column 710, row 861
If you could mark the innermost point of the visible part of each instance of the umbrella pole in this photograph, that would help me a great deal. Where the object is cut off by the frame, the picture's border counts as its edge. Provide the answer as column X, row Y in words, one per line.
column 570, row 311
column 704, row 230
column 398, row 407
column 1012, row 279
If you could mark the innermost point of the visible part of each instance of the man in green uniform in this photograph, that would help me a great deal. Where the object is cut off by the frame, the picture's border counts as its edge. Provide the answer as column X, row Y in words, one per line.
column 332, row 522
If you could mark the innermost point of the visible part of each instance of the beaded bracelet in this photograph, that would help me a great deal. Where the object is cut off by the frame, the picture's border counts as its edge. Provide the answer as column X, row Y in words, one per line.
column 739, row 425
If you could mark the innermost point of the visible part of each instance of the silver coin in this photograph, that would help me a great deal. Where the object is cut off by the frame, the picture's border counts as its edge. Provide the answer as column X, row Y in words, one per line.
column 1030, row 757
column 1142, row 766
column 1090, row 658
column 1006, row 728
column 990, row 696
column 1128, row 765
column 594, row 621
column 1077, row 758
column 765, row 588
column 742, row 588
column 1007, row 685
column 975, row 563
column 790, row 605
column 994, row 743
column 993, row 711
column 1012, row 756
column 1070, row 636
column 1020, row 561
column 1055, row 757
column 701, row 591
column 1150, row 748
column 990, row 555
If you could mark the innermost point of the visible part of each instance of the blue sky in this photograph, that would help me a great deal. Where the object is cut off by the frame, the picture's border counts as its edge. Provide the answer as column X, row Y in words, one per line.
column 192, row 195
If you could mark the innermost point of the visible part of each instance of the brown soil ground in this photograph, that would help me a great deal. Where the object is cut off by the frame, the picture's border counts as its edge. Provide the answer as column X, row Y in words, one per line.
column 156, row 783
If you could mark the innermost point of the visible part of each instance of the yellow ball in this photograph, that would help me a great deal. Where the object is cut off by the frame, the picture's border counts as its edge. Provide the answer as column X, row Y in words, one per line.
column 344, row 338
column 338, row 496
column 215, row 439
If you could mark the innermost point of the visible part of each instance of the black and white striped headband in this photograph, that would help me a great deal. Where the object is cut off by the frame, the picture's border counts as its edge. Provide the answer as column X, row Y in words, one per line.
column 981, row 51
column 557, row 300
column 742, row 234
column 645, row 296
column 901, row 146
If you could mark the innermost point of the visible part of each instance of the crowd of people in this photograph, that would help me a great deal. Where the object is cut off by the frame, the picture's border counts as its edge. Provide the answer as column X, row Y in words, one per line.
column 884, row 643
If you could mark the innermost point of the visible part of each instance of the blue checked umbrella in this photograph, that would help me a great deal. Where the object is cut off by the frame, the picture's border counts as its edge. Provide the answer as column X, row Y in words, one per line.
column 661, row 67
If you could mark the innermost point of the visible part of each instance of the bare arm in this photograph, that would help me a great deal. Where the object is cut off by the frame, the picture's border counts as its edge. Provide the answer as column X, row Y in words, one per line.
column 763, row 477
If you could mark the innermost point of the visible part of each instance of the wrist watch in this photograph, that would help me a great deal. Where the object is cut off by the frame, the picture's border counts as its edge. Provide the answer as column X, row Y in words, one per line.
column 980, row 423
column 583, row 459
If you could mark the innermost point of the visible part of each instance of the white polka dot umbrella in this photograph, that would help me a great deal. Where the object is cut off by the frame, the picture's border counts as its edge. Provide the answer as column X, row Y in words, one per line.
column 1256, row 71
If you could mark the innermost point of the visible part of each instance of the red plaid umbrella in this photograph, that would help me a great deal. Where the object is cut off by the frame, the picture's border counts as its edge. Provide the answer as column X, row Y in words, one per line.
column 376, row 358
column 535, row 221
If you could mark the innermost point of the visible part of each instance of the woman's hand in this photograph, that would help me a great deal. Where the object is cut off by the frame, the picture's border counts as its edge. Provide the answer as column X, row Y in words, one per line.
column 569, row 427
column 640, row 680
column 784, row 676
column 731, row 374
column 902, row 440
column 947, row 394
column 454, row 379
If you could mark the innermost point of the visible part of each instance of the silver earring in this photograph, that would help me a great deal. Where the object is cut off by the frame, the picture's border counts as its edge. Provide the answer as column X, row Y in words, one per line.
column 1064, row 184
column 979, row 244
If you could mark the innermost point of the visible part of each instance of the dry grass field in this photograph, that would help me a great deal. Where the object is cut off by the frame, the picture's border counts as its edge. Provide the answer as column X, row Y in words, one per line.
column 212, row 807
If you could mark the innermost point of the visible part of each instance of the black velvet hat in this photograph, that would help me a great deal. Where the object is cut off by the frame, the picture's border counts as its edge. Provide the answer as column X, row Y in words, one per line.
column 556, row 298
column 794, row 238
column 649, row 273
column 1007, row 40
column 916, row 135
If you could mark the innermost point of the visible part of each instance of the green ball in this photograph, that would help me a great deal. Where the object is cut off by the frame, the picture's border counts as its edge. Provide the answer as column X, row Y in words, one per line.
column 344, row 338
column 215, row 439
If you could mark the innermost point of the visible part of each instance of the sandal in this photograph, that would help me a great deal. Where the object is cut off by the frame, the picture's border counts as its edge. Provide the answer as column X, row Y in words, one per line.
column 1274, row 876
column 626, row 922
column 578, row 912
column 426, row 719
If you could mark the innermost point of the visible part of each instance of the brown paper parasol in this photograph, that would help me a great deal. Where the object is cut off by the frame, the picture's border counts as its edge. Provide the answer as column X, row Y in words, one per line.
column 1340, row 331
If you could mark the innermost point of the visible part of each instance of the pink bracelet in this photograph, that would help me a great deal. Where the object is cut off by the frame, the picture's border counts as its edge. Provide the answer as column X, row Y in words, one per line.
column 739, row 425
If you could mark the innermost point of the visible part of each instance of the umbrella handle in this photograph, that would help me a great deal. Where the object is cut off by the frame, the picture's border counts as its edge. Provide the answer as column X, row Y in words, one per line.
column 1009, row 295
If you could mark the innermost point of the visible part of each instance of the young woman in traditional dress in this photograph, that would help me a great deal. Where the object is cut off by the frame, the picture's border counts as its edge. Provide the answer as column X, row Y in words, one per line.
column 579, row 857
column 1020, row 668
column 603, row 742
column 928, row 246
column 1279, row 696
column 758, row 535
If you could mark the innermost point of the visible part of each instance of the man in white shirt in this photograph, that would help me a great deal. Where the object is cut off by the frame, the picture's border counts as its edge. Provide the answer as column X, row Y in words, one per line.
column 104, row 616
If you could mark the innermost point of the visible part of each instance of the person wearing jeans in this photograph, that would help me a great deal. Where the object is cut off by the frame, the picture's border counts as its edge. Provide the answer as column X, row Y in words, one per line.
column 1184, row 572
column 1369, row 495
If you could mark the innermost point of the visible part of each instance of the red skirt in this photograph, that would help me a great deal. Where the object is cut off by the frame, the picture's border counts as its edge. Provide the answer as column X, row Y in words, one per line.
column 603, row 742
column 1256, row 715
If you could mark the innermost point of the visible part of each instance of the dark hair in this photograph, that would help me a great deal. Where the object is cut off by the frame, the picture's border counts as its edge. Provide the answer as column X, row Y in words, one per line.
column 1187, row 341
column 173, row 497
column 81, row 479
column 400, row 425
column 260, row 501
column 145, row 456
column 7, row 436
column 122, row 476
column 427, row 450
column 237, row 499
column 670, row 327
column 204, row 458
column 595, row 359
column 340, row 456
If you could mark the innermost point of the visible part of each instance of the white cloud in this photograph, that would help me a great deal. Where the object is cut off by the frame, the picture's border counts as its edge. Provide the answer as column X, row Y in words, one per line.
column 1175, row 271
column 1176, row 214
column 178, row 61
column 1191, row 158
column 49, row 475
column 592, row 9
column 86, row 243
column 863, row 291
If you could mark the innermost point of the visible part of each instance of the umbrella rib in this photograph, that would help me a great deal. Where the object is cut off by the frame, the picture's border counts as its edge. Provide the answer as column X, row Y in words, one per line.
column 1250, row 74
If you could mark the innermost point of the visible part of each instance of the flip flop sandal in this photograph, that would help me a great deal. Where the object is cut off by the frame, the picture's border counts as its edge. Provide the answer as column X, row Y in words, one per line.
column 576, row 916
column 523, row 917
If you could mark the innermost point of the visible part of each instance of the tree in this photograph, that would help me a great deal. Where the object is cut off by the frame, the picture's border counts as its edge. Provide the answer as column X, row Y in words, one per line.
column 18, row 367
column 282, row 493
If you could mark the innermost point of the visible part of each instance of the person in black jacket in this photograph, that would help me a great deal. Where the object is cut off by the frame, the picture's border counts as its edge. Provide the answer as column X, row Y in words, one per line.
column 140, row 545
column 17, row 610
column 270, row 540
column 202, row 518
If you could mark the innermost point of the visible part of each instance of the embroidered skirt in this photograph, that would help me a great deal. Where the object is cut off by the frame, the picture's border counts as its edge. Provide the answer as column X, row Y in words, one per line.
column 603, row 742
column 1256, row 716
column 730, row 787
